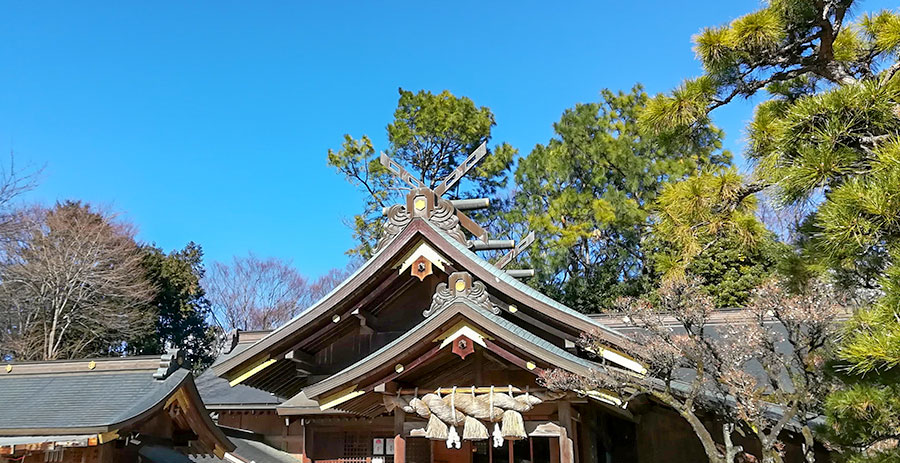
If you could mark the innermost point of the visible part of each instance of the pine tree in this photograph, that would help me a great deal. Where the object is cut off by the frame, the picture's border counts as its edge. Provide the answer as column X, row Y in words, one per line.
column 829, row 133
column 706, row 226
column 589, row 192
column 429, row 136
column 181, row 309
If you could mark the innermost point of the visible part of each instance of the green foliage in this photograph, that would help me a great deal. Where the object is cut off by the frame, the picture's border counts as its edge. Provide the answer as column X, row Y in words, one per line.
column 828, row 135
column 429, row 136
column 882, row 30
column 182, row 309
column 706, row 226
column 822, row 139
column 862, row 214
column 587, row 195
column 872, row 339
column 784, row 41
column 865, row 418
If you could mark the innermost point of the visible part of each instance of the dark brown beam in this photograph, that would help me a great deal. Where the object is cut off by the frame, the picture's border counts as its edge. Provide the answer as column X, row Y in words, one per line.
column 510, row 357
column 421, row 359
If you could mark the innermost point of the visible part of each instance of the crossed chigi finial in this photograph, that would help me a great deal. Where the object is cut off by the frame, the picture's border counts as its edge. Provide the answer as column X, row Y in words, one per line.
column 448, row 214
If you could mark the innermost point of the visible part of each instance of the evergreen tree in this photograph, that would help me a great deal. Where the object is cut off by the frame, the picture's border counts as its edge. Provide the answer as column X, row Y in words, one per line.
column 182, row 310
column 589, row 192
column 430, row 135
column 706, row 226
column 830, row 134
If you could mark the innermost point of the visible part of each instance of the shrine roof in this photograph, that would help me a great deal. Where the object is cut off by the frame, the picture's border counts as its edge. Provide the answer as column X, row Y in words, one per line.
column 217, row 394
column 94, row 396
column 55, row 397
column 276, row 342
column 491, row 323
column 249, row 447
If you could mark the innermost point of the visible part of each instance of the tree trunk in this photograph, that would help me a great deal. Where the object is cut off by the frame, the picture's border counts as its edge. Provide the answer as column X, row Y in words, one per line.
column 731, row 450
column 706, row 439
column 809, row 445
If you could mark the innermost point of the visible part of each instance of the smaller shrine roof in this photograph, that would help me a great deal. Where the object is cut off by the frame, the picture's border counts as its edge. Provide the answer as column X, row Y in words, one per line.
column 82, row 396
column 217, row 394
column 61, row 401
column 492, row 324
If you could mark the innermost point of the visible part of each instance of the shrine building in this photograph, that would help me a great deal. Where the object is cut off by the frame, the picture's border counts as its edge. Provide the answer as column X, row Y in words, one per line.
column 429, row 352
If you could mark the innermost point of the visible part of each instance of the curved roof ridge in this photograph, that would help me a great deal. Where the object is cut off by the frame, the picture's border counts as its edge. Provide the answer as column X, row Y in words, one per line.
column 518, row 285
column 556, row 312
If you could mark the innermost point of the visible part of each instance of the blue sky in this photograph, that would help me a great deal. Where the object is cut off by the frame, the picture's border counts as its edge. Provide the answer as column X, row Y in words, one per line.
column 210, row 121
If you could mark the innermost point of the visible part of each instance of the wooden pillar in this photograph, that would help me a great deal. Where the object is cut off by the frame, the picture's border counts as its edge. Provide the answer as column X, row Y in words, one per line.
column 106, row 453
column 284, row 433
column 566, row 445
column 554, row 451
column 304, row 424
column 588, row 435
column 399, row 440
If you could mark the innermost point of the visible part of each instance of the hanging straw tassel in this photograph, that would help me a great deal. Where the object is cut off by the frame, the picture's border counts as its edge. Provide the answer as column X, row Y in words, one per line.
column 436, row 429
column 474, row 430
column 513, row 425
column 453, row 436
column 497, row 435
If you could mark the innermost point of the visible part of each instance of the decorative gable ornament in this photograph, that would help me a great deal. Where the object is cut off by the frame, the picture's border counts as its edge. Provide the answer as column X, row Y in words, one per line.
column 462, row 340
column 422, row 202
column 422, row 261
column 460, row 286
column 463, row 346
column 428, row 204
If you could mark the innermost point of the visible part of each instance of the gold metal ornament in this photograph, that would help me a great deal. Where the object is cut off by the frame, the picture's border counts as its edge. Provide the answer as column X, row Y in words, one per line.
column 419, row 204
